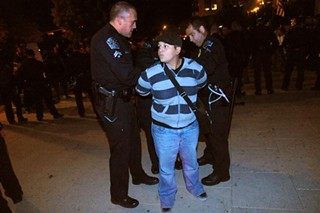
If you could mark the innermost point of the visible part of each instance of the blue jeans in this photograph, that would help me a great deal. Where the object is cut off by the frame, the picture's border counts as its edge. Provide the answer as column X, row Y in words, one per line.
column 168, row 143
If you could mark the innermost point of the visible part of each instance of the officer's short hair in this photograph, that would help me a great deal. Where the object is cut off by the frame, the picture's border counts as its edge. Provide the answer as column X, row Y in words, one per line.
column 119, row 8
column 197, row 22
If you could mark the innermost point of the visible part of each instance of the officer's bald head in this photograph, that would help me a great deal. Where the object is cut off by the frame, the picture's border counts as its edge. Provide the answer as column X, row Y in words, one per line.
column 121, row 9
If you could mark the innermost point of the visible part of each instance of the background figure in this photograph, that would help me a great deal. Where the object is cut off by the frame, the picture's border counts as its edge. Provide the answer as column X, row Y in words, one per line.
column 263, row 42
column 33, row 74
column 316, row 52
column 279, row 58
column 146, row 55
column 113, row 72
column 56, row 72
column 211, row 55
column 296, row 46
column 10, row 84
column 78, row 64
column 236, row 47
column 8, row 179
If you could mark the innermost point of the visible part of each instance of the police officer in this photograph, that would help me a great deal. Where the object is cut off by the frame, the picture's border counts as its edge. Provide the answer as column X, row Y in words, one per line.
column 146, row 55
column 10, row 83
column 8, row 179
column 316, row 52
column 217, row 95
column 33, row 74
column 263, row 42
column 295, row 44
column 78, row 63
column 114, row 78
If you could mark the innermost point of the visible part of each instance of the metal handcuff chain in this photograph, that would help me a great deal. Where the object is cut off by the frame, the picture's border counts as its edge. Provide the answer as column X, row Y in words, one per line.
column 217, row 91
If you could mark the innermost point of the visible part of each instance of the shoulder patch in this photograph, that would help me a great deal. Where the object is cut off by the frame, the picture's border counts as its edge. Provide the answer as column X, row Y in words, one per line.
column 208, row 45
column 113, row 43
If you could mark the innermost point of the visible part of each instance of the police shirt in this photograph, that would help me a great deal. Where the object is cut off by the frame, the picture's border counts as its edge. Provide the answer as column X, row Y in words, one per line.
column 111, row 60
column 212, row 57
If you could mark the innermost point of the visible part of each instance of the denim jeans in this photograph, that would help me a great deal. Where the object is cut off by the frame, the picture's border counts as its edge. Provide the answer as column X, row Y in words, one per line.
column 168, row 143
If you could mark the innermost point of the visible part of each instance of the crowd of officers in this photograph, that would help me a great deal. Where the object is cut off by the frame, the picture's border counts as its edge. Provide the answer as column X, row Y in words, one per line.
column 30, row 78
column 270, row 47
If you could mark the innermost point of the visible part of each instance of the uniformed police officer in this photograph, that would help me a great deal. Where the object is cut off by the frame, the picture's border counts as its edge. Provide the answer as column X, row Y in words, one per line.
column 114, row 78
column 217, row 95
column 263, row 43
column 146, row 55
column 295, row 44
column 33, row 72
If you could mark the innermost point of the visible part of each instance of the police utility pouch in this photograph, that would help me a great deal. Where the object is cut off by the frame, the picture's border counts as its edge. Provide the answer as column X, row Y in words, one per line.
column 200, row 110
column 109, row 103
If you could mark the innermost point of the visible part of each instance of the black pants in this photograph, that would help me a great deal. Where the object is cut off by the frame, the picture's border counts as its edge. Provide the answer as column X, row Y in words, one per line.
column 144, row 117
column 9, row 96
column 82, row 86
column 41, row 92
column 125, row 146
column 8, row 178
column 217, row 144
column 294, row 58
column 262, row 62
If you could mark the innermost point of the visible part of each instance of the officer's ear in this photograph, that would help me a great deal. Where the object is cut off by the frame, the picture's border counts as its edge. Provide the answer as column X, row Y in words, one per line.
column 202, row 29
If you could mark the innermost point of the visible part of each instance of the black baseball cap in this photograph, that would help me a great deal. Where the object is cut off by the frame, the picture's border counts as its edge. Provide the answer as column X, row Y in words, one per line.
column 170, row 37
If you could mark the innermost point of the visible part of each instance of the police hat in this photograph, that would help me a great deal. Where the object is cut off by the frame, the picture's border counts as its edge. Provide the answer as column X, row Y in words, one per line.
column 170, row 37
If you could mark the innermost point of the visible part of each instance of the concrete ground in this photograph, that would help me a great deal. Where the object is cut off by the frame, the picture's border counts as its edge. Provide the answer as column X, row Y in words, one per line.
column 274, row 146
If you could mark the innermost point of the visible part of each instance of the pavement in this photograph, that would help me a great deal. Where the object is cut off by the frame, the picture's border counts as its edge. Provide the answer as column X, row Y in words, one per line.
column 63, row 166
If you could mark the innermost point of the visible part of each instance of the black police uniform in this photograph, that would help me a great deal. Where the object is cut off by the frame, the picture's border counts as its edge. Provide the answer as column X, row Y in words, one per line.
column 8, row 179
column 296, row 44
column 212, row 56
column 316, row 55
column 9, row 85
column 112, row 68
column 79, row 65
column 32, row 71
column 145, row 56
column 263, row 42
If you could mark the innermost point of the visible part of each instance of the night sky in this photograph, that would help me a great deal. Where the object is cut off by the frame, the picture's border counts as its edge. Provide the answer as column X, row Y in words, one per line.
column 150, row 12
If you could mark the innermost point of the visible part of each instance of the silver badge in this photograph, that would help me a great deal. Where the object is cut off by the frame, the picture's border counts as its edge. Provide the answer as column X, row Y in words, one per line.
column 117, row 54
column 113, row 43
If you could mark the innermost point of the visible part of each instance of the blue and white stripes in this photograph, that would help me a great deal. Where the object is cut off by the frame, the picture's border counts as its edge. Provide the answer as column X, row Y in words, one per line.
column 168, row 106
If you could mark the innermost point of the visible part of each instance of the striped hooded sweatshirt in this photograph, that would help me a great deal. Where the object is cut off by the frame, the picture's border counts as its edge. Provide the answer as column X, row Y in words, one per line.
column 168, row 107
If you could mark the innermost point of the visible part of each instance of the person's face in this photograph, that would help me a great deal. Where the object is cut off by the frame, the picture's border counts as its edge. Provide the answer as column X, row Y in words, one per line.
column 195, row 36
column 167, row 52
column 128, row 23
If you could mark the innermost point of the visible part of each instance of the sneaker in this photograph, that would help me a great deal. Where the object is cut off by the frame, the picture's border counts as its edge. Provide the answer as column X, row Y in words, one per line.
column 203, row 196
column 166, row 209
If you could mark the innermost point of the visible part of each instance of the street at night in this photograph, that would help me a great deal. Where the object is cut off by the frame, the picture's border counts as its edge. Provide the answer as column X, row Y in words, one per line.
column 62, row 164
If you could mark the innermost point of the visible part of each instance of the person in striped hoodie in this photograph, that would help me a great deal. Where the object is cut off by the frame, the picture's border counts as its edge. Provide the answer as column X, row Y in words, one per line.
column 175, row 129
